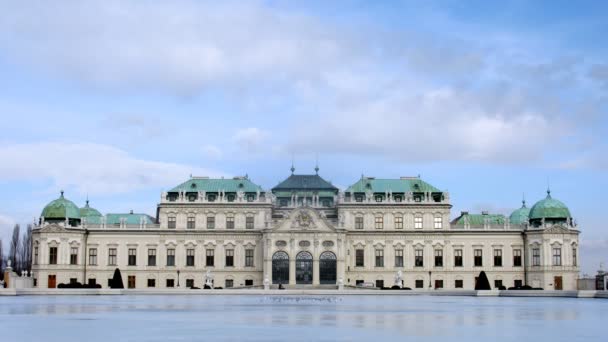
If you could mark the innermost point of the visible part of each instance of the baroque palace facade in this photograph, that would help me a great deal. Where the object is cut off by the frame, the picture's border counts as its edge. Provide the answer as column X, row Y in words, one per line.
column 306, row 232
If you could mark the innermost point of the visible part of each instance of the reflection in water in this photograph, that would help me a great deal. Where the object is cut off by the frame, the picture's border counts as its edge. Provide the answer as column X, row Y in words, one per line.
column 162, row 318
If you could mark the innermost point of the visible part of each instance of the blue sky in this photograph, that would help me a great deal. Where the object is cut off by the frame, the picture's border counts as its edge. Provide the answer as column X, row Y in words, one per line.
column 122, row 99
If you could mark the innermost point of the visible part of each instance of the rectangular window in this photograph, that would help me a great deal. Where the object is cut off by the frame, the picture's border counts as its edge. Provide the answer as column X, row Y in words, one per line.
column 419, row 283
column 478, row 258
column 379, row 283
column 359, row 222
column 458, row 258
column 249, row 258
column 379, row 258
column 497, row 283
column 171, row 224
column 210, row 222
column 93, row 256
column 230, row 222
column 52, row 255
column 398, row 257
column 190, row 257
column 151, row 282
column 170, row 283
column 131, row 282
column 517, row 257
column 438, row 222
column 518, row 283
column 359, row 198
column 171, row 257
column 73, row 280
column 132, row 257
column 112, row 257
column 189, row 283
column 35, row 255
column 398, row 222
column 191, row 223
column 359, row 258
column 229, row 283
column 248, row 282
column 535, row 256
column 74, row 256
column 378, row 199
column 397, row 199
column 574, row 262
column 379, row 222
column 418, row 222
column 438, row 258
column 209, row 257
column 557, row 256
column 249, row 222
column 438, row 284
column 458, row 283
column 419, row 258
column 229, row 257
column 151, row 257
column 498, row 257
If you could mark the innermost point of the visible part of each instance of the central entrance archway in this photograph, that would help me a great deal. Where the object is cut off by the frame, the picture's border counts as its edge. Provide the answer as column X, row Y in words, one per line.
column 327, row 268
column 304, row 268
column 280, row 268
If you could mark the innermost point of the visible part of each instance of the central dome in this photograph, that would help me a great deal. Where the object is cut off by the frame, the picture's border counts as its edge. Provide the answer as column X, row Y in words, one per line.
column 549, row 208
column 60, row 209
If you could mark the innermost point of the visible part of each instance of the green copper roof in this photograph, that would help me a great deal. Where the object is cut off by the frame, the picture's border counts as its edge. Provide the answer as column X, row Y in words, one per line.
column 60, row 209
column 131, row 218
column 479, row 219
column 87, row 211
column 394, row 185
column 520, row 215
column 304, row 182
column 301, row 194
column 549, row 208
column 196, row 184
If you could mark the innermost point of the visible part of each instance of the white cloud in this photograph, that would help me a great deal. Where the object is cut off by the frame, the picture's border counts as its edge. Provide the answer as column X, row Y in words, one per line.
column 212, row 151
column 250, row 139
column 89, row 168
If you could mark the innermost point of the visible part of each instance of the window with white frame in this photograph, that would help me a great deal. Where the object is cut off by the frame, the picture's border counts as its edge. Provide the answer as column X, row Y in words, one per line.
column 210, row 222
column 249, row 222
column 398, row 257
column 230, row 221
column 418, row 222
column 557, row 256
column 438, row 222
column 171, row 224
column 535, row 256
column 379, row 222
column 359, row 222
column 398, row 222
column 191, row 224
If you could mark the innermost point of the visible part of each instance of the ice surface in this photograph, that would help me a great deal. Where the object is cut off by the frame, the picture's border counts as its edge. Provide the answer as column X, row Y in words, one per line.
column 300, row 318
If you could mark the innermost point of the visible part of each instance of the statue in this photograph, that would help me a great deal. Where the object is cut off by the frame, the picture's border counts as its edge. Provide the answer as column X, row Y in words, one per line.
column 266, row 283
column 340, row 284
column 398, row 278
column 209, row 279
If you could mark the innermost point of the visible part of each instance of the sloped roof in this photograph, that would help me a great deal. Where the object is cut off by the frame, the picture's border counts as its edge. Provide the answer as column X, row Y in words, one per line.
column 132, row 218
column 196, row 184
column 549, row 208
column 479, row 219
column 394, row 185
column 520, row 215
column 60, row 209
column 304, row 182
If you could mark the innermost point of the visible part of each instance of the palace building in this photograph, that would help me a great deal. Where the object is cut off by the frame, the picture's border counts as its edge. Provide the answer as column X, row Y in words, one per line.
column 305, row 232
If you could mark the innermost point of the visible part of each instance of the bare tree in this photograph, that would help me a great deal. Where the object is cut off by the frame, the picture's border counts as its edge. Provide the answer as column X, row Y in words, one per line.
column 1, row 261
column 25, row 254
column 14, row 249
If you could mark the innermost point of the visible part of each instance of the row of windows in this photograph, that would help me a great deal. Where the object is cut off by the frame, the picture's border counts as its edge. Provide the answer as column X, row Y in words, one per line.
column 132, row 257
column 191, row 222
column 213, row 198
column 438, row 283
column 458, row 259
column 379, row 222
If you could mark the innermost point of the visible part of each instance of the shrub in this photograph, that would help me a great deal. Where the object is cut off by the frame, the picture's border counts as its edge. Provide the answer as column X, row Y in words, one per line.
column 116, row 282
column 482, row 282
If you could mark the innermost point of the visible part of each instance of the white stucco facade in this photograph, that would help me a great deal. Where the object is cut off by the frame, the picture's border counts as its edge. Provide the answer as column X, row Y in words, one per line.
column 313, row 238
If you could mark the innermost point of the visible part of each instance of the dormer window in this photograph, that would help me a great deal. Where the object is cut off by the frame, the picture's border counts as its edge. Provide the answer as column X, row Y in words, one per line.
column 230, row 198
column 325, row 203
column 250, row 198
column 192, row 198
column 211, row 198
column 417, row 199
column 378, row 199
column 359, row 198
column 193, row 186
column 283, row 203
column 397, row 198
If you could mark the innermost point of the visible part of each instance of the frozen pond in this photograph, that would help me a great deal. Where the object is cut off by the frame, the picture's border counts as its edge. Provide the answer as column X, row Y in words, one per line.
column 300, row 318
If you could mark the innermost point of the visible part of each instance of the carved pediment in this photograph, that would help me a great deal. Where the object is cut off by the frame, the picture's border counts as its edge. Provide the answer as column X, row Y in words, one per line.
column 557, row 229
column 53, row 228
column 304, row 219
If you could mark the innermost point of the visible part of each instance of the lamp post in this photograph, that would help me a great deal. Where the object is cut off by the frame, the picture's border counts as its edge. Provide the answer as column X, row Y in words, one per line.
column 177, row 278
column 430, row 283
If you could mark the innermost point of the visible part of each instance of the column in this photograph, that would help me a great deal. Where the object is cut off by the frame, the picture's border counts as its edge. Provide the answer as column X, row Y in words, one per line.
column 292, row 269
column 315, row 270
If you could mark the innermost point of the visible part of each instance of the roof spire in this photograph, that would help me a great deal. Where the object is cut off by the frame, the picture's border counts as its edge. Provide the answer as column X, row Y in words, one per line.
column 61, row 193
column 87, row 202
column 523, row 200
column 317, row 164
column 292, row 167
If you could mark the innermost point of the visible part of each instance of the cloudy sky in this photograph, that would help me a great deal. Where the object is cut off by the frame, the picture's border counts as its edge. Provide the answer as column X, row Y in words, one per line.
column 119, row 100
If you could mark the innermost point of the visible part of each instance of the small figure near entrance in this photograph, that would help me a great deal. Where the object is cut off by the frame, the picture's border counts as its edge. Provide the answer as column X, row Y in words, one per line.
column 399, row 279
column 208, row 280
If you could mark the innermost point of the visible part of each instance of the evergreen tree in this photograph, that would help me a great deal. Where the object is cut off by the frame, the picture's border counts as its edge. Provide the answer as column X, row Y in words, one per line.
column 26, row 250
column 1, row 261
column 116, row 282
column 482, row 282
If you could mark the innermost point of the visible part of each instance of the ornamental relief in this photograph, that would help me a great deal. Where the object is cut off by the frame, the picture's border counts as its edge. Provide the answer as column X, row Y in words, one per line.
column 304, row 243
column 281, row 243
